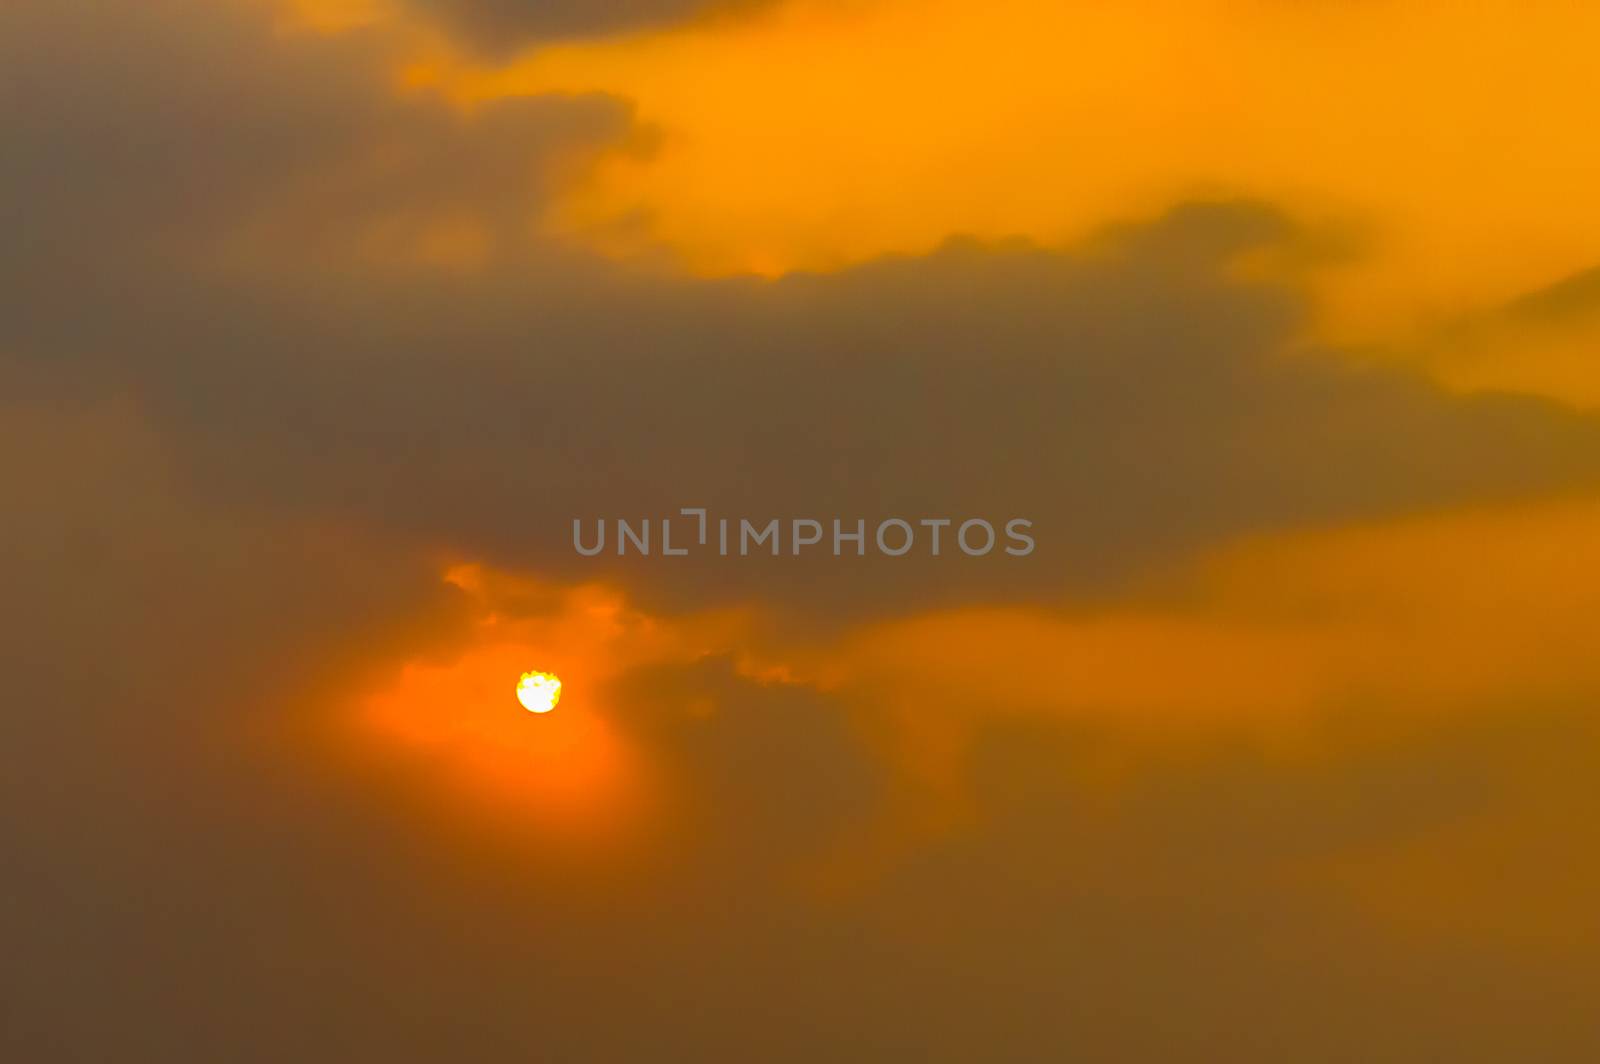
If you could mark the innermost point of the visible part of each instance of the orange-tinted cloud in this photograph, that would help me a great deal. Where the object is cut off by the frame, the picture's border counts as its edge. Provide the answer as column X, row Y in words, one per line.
column 504, row 26
column 1423, row 617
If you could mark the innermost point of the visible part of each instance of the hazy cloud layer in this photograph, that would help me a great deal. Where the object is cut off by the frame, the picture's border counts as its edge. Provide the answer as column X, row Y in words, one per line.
column 276, row 342
column 1131, row 399
column 1130, row 402
column 178, row 894
column 1541, row 342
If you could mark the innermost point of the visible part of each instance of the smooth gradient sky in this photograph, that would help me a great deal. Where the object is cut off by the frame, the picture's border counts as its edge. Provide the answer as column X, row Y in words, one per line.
column 320, row 320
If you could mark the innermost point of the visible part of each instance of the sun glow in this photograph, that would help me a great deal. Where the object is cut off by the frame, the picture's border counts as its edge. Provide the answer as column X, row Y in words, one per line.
column 539, row 691
column 576, row 773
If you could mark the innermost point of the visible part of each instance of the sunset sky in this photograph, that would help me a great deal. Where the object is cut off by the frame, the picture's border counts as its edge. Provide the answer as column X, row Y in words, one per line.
column 321, row 321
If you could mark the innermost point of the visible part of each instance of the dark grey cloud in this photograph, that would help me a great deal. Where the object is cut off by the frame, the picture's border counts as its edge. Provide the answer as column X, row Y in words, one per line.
column 499, row 25
column 1132, row 398
column 1131, row 401
column 144, row 135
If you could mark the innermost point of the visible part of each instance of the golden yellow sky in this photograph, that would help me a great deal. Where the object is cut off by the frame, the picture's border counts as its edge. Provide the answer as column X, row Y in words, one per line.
column 1441, row 146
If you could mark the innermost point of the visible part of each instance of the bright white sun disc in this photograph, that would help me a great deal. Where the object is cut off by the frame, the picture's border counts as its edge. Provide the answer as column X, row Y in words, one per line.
column 539, row 691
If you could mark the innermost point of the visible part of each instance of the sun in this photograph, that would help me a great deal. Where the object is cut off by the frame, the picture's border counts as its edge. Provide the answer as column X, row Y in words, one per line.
column 539, row 691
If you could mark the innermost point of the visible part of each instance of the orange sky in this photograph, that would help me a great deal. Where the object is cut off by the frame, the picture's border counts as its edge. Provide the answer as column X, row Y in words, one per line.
column 1444, row 156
